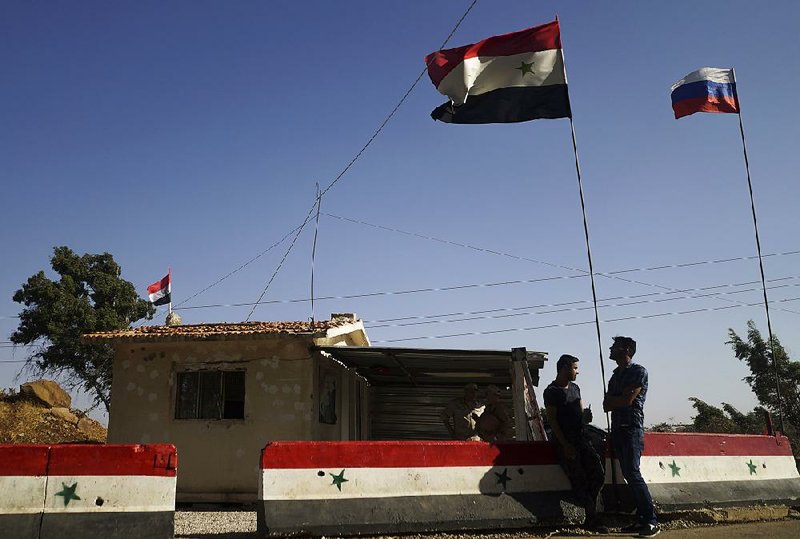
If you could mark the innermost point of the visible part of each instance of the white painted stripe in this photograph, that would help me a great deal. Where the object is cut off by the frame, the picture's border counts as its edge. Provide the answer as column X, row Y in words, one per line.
column 714, row 74
column 706, row 469
column 306, row 484
column 21, row 494
column 111, row 493
column 479, row 75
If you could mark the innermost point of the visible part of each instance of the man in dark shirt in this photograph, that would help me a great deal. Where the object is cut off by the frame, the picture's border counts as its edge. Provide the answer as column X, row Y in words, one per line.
column 627, row 391
column 564, row 407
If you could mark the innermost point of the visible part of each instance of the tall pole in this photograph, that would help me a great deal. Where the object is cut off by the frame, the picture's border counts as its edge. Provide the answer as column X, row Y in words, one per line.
column 169, row 274
column 760, row 263
column 589, row 255
column 314, row 251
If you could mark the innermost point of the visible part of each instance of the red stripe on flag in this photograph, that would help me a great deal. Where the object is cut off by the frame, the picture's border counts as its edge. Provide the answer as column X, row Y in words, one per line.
column 713, row 445
column 23, row 459
column 539, row 38
column 312, row 455
column 159, row 285
column 705, row 104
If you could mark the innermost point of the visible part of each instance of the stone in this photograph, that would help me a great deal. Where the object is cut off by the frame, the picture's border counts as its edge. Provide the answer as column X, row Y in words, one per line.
column 47, row 392
column 65, row 414
column 85, row 425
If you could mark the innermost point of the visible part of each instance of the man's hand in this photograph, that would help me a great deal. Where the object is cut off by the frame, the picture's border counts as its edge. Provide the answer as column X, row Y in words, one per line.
column 587, row 416
column 570, row 452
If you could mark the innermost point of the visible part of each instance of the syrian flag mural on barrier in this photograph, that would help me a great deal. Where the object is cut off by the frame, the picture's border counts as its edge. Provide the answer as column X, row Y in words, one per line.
column 108, row 491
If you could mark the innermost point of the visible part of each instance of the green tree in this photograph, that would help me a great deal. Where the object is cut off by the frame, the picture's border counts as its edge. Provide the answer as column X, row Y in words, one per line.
column 757, row 353
column 726, row 419
column 89, row 296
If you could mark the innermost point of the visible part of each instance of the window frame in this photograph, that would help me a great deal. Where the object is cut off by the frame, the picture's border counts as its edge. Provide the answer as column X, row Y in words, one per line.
column 221, row 401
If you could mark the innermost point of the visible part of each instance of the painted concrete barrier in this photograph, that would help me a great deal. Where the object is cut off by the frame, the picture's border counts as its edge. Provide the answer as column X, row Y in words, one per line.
column 686, row 471
column 346, row 488
column 324, row 488
column 108, row 491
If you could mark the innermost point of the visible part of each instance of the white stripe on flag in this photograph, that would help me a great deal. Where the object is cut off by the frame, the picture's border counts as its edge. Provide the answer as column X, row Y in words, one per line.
column 722, row 75
column 479, row 75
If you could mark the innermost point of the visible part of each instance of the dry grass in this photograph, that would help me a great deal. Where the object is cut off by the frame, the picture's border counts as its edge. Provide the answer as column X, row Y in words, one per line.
column 25, row 422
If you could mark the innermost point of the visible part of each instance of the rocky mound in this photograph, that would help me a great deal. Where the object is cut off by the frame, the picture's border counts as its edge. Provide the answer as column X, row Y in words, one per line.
column 40, row 413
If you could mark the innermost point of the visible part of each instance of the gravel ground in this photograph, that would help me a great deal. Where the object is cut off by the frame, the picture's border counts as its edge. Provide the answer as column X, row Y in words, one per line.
column 237, row 523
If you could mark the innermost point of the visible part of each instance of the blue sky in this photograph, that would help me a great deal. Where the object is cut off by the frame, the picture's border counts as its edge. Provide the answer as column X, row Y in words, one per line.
column 191, row 135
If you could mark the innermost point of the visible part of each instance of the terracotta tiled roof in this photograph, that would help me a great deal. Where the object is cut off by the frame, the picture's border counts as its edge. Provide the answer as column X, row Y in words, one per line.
column 221, row 331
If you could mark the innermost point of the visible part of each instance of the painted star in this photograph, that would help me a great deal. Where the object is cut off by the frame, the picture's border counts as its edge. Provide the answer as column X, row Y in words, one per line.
column 68, row 493
column 525, row 68
column 338, row 479
column 502, row 478
column 752, row 467
column 676, row 470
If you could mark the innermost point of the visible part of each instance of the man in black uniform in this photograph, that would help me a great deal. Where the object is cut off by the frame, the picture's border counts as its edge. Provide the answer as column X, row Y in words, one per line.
column 564, row 407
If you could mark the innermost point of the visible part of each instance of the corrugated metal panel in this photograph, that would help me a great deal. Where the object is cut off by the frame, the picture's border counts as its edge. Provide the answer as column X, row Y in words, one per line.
column 405, row 412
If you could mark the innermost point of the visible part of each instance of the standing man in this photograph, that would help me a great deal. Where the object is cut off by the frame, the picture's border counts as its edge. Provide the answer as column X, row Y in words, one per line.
column 564, row 408
column 627, row 391
column 461, row 413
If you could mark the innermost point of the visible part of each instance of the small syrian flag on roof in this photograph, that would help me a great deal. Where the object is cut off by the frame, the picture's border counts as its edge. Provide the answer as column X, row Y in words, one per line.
column 509, row 78
column 160, row 292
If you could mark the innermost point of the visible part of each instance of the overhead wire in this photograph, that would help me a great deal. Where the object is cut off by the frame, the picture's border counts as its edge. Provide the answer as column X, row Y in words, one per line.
column 555, row 308
column 357, row 156
column 572, row 324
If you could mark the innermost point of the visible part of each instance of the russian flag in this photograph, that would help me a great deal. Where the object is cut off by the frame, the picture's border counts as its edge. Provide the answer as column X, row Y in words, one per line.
column 709, row 89
column 514, row 77
column 160, row 292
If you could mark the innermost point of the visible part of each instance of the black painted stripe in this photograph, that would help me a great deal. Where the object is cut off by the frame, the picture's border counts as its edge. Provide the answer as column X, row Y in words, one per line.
column 108, row 525
column 508, row 105
column 20, row 526
column 409, row 514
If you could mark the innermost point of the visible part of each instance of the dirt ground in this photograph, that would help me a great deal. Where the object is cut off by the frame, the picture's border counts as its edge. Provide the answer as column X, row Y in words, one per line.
column 26, row 422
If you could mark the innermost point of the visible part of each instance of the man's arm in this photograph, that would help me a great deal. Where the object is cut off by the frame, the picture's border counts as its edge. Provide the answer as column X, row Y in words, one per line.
column 552, row 417
column 629, row 394
column 446, row 416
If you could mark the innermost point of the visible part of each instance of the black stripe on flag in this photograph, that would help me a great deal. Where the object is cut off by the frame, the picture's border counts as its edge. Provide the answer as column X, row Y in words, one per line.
column 508, row 105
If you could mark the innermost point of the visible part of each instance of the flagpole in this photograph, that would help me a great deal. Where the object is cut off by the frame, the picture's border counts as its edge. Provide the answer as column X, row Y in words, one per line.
column 760, row 260
column 314, row 251
column 169, row 273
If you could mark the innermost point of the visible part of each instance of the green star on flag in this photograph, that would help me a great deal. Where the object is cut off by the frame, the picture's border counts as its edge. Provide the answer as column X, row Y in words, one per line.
column 525, row 68
column 502, row 478
column 68, row 493
column 752, row 467
column 676, row 470
column 338, row 479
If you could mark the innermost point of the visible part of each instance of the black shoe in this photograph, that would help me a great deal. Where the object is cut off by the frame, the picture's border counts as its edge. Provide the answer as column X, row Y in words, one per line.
column 633, row 528
column 595, row 525
column 650, row 530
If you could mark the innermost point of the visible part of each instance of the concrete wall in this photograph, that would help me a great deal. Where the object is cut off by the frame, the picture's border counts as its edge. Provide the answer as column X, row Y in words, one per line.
column 219, row 458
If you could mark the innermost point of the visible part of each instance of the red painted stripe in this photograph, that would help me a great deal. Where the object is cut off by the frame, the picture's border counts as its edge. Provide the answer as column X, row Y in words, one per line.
column 710, row 445
column 284, row 455
column 19, row 459
column 705, row 104
column 155, row 460
column 539, row 38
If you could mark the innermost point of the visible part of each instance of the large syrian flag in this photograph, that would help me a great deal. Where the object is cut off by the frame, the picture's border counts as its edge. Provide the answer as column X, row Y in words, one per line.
column 510, row 78
column 160, row 292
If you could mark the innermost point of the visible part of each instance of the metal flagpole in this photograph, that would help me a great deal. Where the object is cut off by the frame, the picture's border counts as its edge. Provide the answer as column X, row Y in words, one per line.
column 594, row 288
column 760, row 261
column 314, row 251
column 586, row 236
column 169, row 273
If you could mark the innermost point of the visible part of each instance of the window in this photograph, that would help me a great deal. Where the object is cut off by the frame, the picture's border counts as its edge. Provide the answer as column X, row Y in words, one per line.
column 210, row 395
